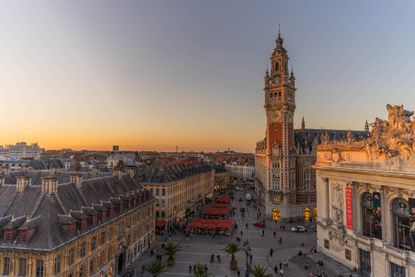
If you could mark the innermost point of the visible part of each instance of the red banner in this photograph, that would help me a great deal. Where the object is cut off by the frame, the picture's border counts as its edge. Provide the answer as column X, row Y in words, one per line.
column 349, row 207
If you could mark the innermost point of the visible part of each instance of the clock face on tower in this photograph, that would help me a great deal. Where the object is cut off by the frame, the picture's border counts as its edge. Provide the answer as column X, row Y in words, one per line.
column 275, row 116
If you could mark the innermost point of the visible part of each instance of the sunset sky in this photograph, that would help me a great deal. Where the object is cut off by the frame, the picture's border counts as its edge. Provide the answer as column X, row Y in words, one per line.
column 150, row 75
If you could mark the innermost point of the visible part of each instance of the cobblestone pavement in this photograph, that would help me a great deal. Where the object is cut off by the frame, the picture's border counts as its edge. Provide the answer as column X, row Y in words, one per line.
column 200, row 248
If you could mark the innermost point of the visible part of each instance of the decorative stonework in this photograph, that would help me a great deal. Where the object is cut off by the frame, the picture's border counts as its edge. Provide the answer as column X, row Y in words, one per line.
column 392, row 139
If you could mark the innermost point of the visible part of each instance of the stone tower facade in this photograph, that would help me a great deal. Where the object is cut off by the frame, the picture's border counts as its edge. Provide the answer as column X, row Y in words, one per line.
column 285, row 179
column 279, row 91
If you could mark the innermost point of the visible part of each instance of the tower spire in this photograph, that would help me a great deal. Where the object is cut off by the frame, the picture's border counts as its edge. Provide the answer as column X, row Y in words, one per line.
column 303, row 124
column 366, row 126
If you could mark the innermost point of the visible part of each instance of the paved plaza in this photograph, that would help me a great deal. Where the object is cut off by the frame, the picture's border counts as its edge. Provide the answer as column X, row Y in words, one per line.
column 200, row 248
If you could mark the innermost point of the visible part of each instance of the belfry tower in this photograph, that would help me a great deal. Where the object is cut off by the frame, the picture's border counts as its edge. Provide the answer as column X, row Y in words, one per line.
column 279, row 91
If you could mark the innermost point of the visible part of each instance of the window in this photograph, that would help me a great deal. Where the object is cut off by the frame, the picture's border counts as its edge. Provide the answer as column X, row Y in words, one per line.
column 91, row 265
column 397, row 271
column 102, row 239
column 121, row 229
column 371, row 215
column 83, row 249
column 81, row 271
column 404, row 224
column 110, row 234
column 93, row 243
column 70, row 258
column 22, row 267
column 39, row 268
column 348, row 254
column 6, row 266
column 57, row 268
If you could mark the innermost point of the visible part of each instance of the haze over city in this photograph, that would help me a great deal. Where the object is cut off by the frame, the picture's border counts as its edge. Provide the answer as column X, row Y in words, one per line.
column 150, row 75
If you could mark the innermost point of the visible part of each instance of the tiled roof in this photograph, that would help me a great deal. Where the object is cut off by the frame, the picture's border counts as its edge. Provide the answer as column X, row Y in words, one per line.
column 46, row 214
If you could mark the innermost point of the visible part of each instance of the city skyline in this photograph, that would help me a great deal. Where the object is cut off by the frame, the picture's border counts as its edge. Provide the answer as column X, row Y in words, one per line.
column 77, row 76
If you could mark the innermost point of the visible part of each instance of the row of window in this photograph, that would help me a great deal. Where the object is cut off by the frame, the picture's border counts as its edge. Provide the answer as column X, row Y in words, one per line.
column 22, row 267
column 403, row 216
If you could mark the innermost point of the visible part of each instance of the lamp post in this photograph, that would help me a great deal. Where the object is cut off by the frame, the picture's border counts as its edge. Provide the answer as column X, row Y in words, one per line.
column 247, row 249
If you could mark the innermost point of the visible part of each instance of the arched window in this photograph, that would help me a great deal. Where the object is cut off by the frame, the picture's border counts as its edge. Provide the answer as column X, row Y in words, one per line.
column 276, row 66
column 404, row 224
column 371, row 215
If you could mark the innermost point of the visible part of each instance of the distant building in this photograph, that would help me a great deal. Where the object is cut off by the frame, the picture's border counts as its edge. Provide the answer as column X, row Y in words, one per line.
column 73, row 224
column 241, row 171
column 115, row 148
column 366, row 198
column 222, row 178
column 20, row 150
column 127, row 158
column 179, row 190
column 285, row 179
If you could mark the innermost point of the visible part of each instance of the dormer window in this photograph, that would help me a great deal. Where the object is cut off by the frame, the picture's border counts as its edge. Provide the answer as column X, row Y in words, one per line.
column 8, row 235
column 23, row 235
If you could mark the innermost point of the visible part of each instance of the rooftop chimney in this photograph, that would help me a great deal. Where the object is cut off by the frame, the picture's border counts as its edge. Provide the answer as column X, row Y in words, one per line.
column 49, row 185
column 118, row 172
column 23, row 182
column 76, row 179
column 131, row 170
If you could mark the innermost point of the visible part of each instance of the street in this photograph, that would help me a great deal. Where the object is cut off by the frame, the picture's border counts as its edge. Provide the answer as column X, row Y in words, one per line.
column 200, row 248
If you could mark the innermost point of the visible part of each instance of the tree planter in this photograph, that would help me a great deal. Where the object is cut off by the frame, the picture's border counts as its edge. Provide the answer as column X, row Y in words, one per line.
column 233, row 265
column 171, row 261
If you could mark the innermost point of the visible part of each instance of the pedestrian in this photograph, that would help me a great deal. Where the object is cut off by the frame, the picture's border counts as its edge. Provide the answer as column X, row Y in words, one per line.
column 276, row 269
column 271, row 252
column 262, row 232
column 218, row 259
column 238, row 273
column 190, row 269
column 280, row 240
column 250, row 258
column 212, row 258
column 152, row 252
column 246, row 225
column 281, row 272
column 242, row 233
column 275, row 234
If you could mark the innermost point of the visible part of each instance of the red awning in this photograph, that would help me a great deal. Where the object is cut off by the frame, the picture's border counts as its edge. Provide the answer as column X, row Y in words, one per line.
column 223, row 199
column 160, row 224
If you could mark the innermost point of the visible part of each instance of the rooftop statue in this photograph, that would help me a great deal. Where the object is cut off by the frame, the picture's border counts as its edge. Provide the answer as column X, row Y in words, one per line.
column 392, row 138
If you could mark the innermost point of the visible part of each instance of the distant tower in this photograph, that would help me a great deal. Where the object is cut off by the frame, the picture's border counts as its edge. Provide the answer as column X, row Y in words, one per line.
column 177, row 149
column 279, row 92
column 115, row 148
column 303, row 124
column 367, row 126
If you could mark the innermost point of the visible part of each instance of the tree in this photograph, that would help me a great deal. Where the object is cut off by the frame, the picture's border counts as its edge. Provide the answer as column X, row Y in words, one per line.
column 232, row 248
column 170, row 249
column 199, row 270
column 260, row 271
column 155, row 268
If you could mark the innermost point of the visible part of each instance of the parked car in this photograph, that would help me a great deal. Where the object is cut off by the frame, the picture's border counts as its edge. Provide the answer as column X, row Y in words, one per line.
column 259, row 224
column 298, row 229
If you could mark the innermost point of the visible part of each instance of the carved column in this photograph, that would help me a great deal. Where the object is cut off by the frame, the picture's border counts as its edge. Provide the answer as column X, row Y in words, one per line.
column 327, row 197
column 354, row 204
column 384, row 211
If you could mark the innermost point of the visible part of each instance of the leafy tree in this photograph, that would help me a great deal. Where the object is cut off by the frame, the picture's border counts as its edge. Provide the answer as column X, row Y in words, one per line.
column 171, row 249
column 260, row 271
column 155, row 268
column 232, row 248
column 199, row 270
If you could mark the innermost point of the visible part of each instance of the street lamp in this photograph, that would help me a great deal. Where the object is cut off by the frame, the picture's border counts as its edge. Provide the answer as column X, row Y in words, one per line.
column 247, row 249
